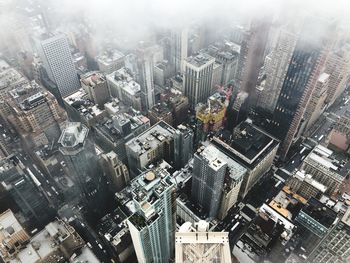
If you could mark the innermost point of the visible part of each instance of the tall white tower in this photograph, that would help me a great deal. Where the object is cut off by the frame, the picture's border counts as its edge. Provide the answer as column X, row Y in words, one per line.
column 57, row 60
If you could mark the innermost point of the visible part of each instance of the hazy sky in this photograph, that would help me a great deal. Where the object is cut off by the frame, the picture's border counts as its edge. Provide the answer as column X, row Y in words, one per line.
column 137, row 18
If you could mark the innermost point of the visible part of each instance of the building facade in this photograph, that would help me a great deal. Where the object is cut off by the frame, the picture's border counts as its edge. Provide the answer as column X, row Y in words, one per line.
column 54, row 52
column 152, row 226
column 198, row 76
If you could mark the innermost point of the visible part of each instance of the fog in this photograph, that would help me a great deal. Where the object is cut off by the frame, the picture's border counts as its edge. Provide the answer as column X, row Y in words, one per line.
column 135, row 20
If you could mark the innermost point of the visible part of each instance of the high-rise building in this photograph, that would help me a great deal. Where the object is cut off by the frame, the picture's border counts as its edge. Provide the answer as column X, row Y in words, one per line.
column 95, row 85
column 217, row 75
column 24, row 188
column 210, row 167
column 179, row 49
column 317, row 103
column 198, row 74
column 238, row 110
column 183, row 145
column 10, row 78
column 152, row 226
column 275, row 69
column 200, row 245
column 227, row 54
column 145, row 77
column 316, row 217
column 115, row 170
column 35, row 114
column 251, row 147
column 111, row 134
column 57, row 243
column 110, row 60
column 122, row 85
column 252, row 55
column 154, row 144
column 210, row 116
column 80, row 157
column 57, row 60
column 160, row 112
column 337, row 66
column 307, row 61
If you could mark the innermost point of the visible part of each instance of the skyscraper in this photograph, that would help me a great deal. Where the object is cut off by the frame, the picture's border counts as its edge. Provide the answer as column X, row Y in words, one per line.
column 304, row 69
column 275, row 69
column 35, row 114
column 337, row 66
column 154, row 144
column 145, row 77
column 198, row 78
column 317, row 103
column 80, row 157
column 179, row 49
column 183, row 144
column 210, row 169
column 57, row 60
column 152, row 227
column 252, row 55
column 21, row 187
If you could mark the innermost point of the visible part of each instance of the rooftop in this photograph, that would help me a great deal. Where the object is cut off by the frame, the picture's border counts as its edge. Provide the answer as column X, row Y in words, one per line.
column 113, row 127
column 213, row 106
column 10, row 77
column 300, row 175
column 57, row 242
column 200, row 60
column 218, row 159
column 123, row 79
column 75, row 133
column 93, row 78
column 319, row 212
column 248, row 144
column 110, row 56
column 80, row 101
column 147, row 190
column 151, row 138
column 329, row 160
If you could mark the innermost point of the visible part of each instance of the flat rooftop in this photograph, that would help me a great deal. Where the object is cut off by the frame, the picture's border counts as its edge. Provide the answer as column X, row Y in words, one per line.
column 80, row 102
column 93, row 78
column 151, row 138
column 8, row 225
column 123, row 79
column 200, row 60
column 110, row 56
column 248, row 144
column 10, row 77
column 329, row 160
column 319, row 212
column 217, row 159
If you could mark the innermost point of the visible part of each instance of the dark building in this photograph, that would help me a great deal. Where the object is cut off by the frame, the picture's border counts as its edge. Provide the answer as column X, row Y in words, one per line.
column 251, row 147
column 305, row 66
column 316, row 217
column 81, row 159
column 183, row 146
column 22, row 189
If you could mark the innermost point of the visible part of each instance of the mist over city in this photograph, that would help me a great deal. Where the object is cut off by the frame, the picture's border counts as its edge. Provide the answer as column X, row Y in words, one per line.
column 158, row 131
